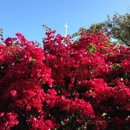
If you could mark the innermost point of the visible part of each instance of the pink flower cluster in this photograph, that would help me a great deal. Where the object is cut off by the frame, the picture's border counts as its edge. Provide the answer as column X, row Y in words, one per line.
column 67, row 85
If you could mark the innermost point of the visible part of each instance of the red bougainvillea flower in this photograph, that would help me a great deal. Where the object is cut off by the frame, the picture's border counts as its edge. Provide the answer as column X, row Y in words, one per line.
column 67, row 84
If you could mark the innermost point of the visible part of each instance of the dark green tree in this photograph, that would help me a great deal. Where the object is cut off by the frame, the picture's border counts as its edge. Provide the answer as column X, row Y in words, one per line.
column 1, row 32
column 118, row 27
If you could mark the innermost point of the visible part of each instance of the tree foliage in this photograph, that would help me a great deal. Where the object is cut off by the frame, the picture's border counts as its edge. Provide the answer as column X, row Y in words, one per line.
column 118, row 27
column 1, row 32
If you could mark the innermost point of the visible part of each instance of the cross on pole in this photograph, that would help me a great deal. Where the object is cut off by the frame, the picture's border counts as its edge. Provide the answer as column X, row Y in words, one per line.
column 66, row 26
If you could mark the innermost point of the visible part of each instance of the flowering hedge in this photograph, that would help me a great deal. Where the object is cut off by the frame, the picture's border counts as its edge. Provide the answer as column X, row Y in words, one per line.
column 66, row 85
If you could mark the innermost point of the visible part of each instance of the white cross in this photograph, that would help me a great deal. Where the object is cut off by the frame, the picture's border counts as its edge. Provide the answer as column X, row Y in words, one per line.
column 66, row 26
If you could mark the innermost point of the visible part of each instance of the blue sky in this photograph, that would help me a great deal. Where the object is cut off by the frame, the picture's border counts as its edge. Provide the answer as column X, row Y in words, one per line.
column 28, row 16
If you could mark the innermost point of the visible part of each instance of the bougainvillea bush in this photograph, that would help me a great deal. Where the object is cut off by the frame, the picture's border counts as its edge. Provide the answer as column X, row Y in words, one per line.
column 67, row 85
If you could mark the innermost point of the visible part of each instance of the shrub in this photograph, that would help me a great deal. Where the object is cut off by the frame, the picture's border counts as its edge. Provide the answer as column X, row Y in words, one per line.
column 67, row 85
